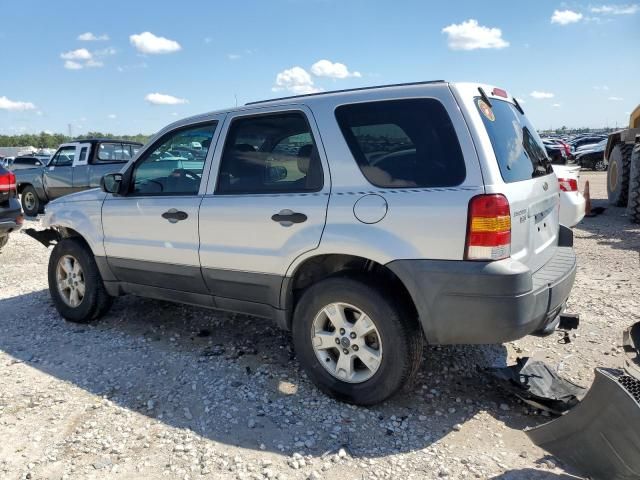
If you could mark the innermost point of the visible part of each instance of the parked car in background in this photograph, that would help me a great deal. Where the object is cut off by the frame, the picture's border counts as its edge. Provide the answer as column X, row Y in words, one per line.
column 561, row 143
column 257, row 225
column 27, row 161
column 7, row 162
column 572, row 202
column 586, row 140
column 10, row 213
column 592, row 156
column 556, row 152
column 75, row 166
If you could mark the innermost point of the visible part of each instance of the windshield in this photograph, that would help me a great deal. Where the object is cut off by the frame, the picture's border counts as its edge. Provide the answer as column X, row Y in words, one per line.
column 518, row 148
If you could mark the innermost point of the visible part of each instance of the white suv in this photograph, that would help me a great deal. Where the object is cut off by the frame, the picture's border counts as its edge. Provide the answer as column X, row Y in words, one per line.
column 366, row 221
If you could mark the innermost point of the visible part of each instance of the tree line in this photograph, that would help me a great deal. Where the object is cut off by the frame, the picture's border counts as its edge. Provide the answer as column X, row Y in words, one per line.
column 53, row 140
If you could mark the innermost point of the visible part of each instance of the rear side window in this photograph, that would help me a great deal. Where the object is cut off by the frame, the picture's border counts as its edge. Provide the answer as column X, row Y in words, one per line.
column 518, row 148
column 114, row 152
column 403, row 143
column 272, row 153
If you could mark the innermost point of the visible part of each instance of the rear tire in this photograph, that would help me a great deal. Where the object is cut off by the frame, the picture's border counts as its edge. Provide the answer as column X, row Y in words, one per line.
column 599, row 166
column 31, row 204
column 399, row 340
column 3, row 241
column 94, row 301
column 633, row 205
column 618, row 174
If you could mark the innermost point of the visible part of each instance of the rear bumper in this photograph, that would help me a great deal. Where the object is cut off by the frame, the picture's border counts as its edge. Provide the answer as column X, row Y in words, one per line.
column 572, row 206
column 9, row 217
column 461, row 302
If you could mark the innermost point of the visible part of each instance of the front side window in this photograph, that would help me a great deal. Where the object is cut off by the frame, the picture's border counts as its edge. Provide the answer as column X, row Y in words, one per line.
column 173, row 166
column 272, row 153
column 64, row 157
column 518, row 148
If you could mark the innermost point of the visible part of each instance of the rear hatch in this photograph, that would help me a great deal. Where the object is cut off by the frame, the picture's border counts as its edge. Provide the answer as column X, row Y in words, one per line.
column 527, row 178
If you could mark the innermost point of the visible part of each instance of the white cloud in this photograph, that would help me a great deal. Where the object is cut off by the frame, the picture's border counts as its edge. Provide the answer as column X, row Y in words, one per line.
column 90, row 37
column 79, row 54
column 71, row 65
column 541, row 95
column 6, row 104
column 326, row 68
column 469, row 35
column 105, row 52
column 616, row 99
column 112, row 116
column 234, row 56
column 601, row 87
column 94, row 64
column 617, row 9
column 296, row 80
column 556, row 105
column 149, row 43
column 565, row 17
column 163, row 99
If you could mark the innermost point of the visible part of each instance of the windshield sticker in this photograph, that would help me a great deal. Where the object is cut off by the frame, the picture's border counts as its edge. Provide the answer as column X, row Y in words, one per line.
column 486, row 110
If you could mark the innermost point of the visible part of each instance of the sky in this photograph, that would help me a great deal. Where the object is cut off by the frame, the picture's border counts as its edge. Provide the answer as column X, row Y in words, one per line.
column 128, row 67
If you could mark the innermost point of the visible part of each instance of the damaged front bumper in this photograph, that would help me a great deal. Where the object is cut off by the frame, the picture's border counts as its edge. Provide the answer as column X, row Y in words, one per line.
column 600, row 436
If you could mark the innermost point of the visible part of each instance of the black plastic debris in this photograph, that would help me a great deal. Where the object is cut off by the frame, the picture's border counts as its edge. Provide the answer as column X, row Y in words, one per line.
column 631, row 345
column 600, row 437
column 538, row 385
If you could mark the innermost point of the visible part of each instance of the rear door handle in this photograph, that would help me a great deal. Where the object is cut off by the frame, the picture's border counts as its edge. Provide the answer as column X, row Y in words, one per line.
column 287, row 217
column 174, row 215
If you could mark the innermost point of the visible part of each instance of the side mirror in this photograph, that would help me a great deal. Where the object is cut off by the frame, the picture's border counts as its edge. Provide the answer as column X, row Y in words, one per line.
column 111, row 183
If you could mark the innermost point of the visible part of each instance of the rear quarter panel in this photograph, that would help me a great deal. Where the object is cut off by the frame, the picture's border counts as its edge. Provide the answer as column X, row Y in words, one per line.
column 420, row 223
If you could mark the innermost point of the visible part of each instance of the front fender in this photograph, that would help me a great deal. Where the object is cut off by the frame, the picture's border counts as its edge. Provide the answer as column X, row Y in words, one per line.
column 85, row 218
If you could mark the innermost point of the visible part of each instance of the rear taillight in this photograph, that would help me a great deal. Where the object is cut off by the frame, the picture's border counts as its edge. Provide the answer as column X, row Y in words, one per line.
column 568, row 184
column 7, row 182
column 488, row 228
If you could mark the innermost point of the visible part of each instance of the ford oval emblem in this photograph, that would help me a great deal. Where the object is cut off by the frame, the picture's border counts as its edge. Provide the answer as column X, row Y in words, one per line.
column 545, row 186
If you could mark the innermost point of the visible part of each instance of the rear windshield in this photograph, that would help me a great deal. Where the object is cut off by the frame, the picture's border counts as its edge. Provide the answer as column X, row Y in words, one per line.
column 520, row 152
column 403, row 143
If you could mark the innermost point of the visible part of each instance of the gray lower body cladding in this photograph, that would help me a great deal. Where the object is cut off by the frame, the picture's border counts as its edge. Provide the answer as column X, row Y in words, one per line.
column 462, row 302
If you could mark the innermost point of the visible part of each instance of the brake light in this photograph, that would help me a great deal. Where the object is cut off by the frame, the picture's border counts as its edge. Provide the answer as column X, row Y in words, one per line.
column 488, row 228
column 499, row 92
column 7, row 182
column 568, row 184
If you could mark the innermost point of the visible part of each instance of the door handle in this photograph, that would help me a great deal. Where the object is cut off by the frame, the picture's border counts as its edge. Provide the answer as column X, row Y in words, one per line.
column 174, row 215
column 286, row 217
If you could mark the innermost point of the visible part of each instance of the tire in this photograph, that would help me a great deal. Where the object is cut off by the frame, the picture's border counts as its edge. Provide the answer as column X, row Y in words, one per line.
column 599, row 166
column 95, row 301
column 633, row 205
column 3, row 241
column 618, row 174
column 400, row 340
column 31, row 204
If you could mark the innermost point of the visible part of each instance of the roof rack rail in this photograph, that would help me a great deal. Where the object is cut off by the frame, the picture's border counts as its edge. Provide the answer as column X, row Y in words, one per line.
column 345, row 90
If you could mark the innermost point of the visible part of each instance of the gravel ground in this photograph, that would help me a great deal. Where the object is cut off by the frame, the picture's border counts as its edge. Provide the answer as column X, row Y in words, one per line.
column 157, row 390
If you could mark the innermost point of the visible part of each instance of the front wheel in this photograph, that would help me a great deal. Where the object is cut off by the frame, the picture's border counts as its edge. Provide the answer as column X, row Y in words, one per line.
column 75, row 284
column 600, row 166
column 355, row 343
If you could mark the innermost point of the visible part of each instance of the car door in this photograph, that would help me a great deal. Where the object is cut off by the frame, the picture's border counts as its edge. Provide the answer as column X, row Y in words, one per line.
column 58, row 175
column 80, row 171
column 151, row 232
column 265, row 204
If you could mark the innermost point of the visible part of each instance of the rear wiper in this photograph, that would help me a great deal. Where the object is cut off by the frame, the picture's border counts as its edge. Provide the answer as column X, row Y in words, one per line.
column 484, row 97
column 515, row 101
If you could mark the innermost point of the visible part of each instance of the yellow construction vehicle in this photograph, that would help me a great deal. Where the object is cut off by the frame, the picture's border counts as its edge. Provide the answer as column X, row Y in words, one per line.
column 623, row 176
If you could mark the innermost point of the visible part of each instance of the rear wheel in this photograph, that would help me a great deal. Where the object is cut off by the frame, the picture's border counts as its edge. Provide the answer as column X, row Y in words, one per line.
column 618, row 176
column 633, row 205
column 4, row 240
column 75, row 284
column 354, row 343
column 30, row 202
